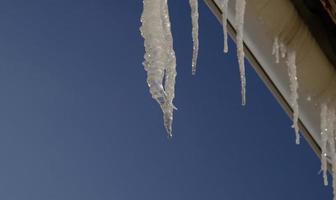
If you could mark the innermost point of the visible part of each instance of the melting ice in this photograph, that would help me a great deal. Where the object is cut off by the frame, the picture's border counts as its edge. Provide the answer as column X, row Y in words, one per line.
column 160, row 61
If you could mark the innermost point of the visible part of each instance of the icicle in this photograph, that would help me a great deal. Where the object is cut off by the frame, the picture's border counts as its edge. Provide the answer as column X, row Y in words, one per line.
column 240, row 12
column 294, row 93
column 324, row 140
column 331, row 141
column 170, row 75
column 283, row 50
column 155, row 57
column 224, row 8
column 276, row 50
column 280, row 48
column 160, row 59
column 194, row 18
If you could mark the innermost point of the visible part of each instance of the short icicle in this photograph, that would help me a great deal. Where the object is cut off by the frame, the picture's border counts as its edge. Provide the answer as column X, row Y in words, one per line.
column 276, row 49
column 224, row 8
column 283, row 50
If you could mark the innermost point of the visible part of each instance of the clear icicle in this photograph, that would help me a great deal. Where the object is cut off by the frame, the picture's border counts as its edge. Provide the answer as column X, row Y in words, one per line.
column 160, row 59
column 276, row 50
column 194, row 19
column 291, row 57
column 224, row 8
column 324, row 140
column 170, row 75
column 240, row 12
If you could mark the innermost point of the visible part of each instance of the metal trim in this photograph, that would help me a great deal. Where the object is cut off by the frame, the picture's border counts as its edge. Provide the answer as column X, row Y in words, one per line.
column 265, row 78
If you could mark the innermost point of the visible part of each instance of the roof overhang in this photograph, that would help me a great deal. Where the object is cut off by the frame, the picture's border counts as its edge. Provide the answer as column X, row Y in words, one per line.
column 265, row 20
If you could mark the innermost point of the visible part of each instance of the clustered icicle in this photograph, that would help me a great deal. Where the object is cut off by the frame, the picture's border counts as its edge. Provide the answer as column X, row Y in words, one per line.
column 280, row 48
column 194, row 19
column 160, row 64
column 240, row 12
column 160, row 61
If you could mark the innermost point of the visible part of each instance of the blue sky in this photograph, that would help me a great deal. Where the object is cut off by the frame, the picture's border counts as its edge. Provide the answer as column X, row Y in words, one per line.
column 77, row 120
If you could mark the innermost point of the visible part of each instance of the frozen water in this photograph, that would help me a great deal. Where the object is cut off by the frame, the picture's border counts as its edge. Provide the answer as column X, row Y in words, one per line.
column 331, row 141
column 291, row 57
column 224, row 8
column 155, row 56
column 194, row 19
column 170, row 74
column 276, row 50
column 328, row 120
column 160, row 65
column 240, row 12
column 283, row 50
column 160, row 61
column 324, row 140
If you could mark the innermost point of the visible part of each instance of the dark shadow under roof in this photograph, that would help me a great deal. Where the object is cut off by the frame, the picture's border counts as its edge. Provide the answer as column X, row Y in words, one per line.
column 320, row 25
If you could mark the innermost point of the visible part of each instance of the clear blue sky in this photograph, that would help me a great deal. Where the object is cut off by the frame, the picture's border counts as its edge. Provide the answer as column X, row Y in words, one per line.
column 77, row 121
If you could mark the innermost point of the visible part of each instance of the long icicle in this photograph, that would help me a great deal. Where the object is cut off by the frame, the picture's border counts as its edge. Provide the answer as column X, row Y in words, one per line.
column 292, row 72
column 224, row 8
column 324, row 140
column 160, row 59
column 331, row 142
column 170, row 74
column 194, row 19
column 240, row 12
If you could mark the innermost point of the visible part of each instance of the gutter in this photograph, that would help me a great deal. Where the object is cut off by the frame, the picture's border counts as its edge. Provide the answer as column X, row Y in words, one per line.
column 275, row 82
